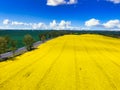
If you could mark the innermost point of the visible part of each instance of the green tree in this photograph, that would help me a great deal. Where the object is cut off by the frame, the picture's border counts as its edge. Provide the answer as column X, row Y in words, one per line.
column 13, row 46
column 3, row 45
column 28, row 41
column 42, row 37
column 8, row 41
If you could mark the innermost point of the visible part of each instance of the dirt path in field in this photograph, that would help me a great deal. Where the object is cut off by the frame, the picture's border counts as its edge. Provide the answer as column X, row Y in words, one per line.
column 70, row 62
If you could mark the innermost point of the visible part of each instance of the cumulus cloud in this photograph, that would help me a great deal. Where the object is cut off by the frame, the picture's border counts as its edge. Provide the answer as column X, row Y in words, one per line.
column 39, row 26
column 6, row 21
column 72, row 2
column 11, row 23
column 19, row 23
column 114, row 1
column 53, row 24
column 61, row 25
column 60, row 2
column 92, row 22
column 112, row 24
column 55, row 2
column 64, row 24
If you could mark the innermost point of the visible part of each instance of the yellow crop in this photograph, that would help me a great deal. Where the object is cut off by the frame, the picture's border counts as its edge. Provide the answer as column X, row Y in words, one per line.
column 70, row 62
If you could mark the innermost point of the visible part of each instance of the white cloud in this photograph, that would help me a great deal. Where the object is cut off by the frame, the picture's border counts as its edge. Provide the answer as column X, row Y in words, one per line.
column 114, row 1
column 6, row 21
column 39, row 26
column 12, row 24
column 19, row 23
column 55, row 2
column 64, row 24
column 53, row 24
column 92, row 22
column 109, row 25
column 60, row 2
column 72, row 2
column 1, row 27
column 60, row 26
column 112, row 24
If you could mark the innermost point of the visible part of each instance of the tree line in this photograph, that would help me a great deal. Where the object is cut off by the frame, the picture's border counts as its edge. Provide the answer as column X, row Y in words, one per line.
column 7, row 44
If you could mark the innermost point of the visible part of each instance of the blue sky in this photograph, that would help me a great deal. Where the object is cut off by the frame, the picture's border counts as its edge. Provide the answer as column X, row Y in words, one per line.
column 60, row 14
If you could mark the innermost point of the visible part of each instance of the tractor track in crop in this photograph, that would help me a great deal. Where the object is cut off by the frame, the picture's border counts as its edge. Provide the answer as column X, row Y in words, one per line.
column 106, row 75
column 50, row 68
column 102, row 70
column 106, row 50
column 113, row 55
column 76, row 67
column 32, row 63
column 111, row 60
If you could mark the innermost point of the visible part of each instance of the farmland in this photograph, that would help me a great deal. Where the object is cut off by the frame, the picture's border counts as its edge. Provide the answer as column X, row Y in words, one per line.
column 69, row 62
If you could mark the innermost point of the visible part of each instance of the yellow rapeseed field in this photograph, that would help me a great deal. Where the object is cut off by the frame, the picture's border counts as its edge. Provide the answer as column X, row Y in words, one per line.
column 70, row 62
